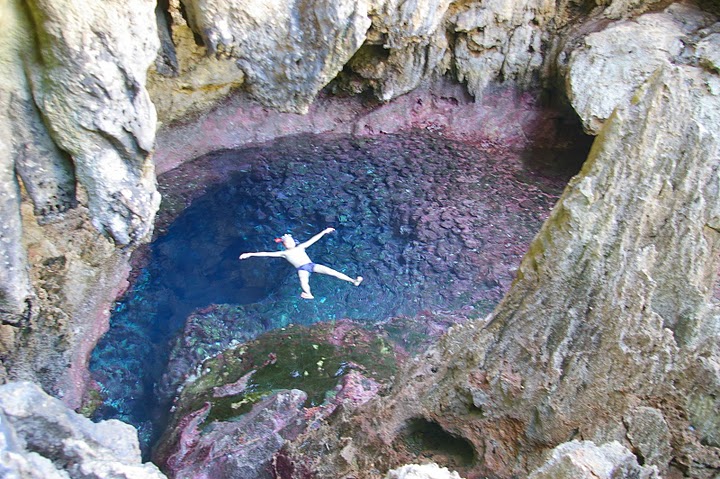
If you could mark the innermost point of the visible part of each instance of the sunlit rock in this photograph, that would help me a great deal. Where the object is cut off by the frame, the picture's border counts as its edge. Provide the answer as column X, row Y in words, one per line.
column 41, row 438
column 77, row 133
column 585, row 460
column 406, row 45
column 612, row 63
column 287, row 51
column 89, row 85
column 424, row 471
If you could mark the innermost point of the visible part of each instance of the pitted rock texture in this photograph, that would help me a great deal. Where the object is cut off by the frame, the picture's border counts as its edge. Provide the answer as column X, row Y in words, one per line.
column 612, row 63
column 501, row 40
column 634, row 238
column 40, row 438
column 77, row 134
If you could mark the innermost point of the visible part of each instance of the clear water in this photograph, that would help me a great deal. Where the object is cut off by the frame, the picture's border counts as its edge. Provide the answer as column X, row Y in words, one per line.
column 431, row 224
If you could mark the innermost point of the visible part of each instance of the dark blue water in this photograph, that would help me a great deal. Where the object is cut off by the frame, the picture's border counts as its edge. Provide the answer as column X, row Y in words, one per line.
column 430, row 223
column 195, row 264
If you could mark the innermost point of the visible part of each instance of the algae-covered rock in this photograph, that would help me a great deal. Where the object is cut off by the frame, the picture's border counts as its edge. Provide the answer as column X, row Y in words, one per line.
column 241, row 406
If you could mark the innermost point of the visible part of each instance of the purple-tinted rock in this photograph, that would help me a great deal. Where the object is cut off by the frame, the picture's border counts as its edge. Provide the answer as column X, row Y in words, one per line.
column 239, row 449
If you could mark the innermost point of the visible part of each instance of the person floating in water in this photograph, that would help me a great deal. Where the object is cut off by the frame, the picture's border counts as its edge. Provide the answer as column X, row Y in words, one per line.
column 296, row 255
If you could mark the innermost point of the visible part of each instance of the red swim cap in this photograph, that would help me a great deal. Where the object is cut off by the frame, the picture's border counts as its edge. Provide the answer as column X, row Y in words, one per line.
column 278, row 240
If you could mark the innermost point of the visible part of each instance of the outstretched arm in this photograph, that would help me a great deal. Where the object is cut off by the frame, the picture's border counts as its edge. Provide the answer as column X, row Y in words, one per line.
column 269, row 254
column 314, row 239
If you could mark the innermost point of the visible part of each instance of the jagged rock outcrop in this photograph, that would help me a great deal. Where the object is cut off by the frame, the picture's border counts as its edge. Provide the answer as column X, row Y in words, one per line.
column 89, row 85
column 501, row 40
column 77, row 134
column 41, row 438
column 287, row 51
column 608, row 332
column 611, row 64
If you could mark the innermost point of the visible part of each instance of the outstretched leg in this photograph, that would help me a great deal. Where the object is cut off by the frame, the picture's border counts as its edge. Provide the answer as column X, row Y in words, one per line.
column 331, row 272
column 304, row 277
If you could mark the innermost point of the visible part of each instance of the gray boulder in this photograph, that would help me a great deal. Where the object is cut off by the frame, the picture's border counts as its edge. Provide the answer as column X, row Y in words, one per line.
column 586, row 460
column 287, row 51
column 611, row 64
column 41, row 438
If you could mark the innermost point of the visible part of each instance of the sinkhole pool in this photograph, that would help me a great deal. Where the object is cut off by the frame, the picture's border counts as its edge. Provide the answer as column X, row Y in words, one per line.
column 430, row 223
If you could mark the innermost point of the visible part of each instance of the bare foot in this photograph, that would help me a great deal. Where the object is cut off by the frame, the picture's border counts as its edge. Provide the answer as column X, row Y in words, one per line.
column 305, row 295
column 358, row 281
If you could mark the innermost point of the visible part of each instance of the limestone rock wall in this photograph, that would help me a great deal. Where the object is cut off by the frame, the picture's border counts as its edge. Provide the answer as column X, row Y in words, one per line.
column 77, row 181
column 609, row 332
column 78, row 193
column 625, row 55
column 42, row 439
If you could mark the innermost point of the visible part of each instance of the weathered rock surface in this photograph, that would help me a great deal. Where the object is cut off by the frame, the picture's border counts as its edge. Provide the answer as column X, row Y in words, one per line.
column 500, row 39
column 585, row 460
column 635, row 238
column 611, row 64
column 40, row 438
column 287, row 51
column 77, row 133
column 89, row 84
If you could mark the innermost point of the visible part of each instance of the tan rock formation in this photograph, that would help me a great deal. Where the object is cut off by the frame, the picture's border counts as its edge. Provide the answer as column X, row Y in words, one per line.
column 77, row 114
column 89, row 84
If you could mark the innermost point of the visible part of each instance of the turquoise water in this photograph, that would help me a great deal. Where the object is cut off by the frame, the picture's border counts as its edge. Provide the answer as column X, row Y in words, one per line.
column 431, row 224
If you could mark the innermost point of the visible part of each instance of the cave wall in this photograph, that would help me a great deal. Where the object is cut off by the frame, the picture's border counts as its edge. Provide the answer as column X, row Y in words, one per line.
column 80, row 129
